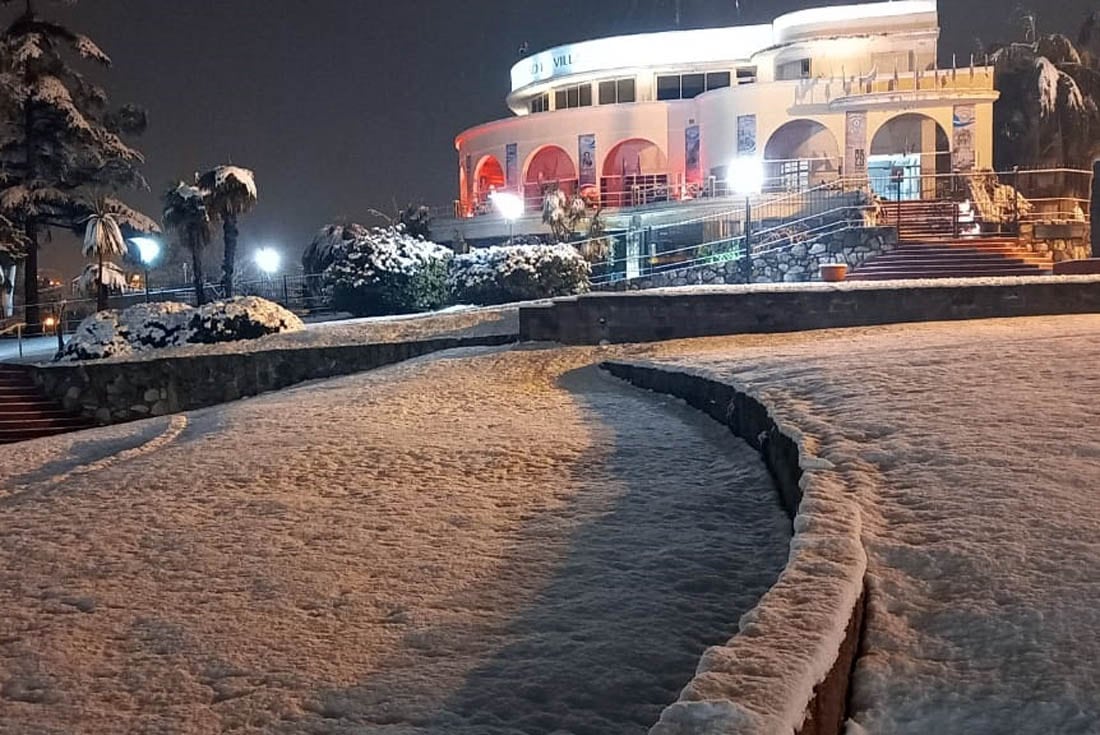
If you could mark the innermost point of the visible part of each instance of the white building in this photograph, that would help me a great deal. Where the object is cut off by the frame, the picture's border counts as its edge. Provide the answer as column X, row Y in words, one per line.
column 852, row 91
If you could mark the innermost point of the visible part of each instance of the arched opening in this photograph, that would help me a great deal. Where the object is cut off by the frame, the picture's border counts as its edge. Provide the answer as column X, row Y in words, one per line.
column 907, row 155
column 488, row 178
column 800, row 155
column 550, row 168
column 635, row 172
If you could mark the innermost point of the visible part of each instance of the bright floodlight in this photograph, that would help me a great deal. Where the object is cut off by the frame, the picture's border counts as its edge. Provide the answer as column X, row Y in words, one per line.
column 510, row 206
column 268, row 260
column 148, row 248
column 746, row 175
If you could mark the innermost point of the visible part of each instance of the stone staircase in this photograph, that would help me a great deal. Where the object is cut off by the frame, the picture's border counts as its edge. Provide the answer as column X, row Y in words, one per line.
column 26, row 413
column 929, row 247
column 957, row 258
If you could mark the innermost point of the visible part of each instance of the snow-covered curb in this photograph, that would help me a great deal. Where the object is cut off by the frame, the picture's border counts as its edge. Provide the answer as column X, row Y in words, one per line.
column 787, row 669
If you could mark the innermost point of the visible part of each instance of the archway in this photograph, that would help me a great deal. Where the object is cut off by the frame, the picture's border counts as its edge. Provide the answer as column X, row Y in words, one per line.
column 550, row 167
column 635, row 172
column 801, row 154
column 488, row 178
column 908, row 154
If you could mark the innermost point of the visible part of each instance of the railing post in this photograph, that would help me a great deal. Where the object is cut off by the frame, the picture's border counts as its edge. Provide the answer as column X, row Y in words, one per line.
column 1016, row 199
column 61, row 327
column 286, row 297
column 19, row 338
column 746, row 257
column 1094, row 210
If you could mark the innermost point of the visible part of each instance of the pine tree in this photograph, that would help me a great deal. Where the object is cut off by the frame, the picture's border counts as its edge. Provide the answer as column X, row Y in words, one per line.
column 61, row 144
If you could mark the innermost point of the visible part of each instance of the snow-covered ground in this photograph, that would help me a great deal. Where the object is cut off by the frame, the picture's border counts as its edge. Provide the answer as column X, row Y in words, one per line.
column 973, row 450
column 475, row 543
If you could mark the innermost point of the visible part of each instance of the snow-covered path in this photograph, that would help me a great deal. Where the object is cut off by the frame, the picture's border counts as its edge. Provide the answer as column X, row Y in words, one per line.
column 480, row 542
column 974, row 451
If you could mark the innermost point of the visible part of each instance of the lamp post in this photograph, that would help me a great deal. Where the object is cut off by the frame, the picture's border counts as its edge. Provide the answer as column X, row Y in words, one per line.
column 268, row 260
column 149, row 250
column 510, row 208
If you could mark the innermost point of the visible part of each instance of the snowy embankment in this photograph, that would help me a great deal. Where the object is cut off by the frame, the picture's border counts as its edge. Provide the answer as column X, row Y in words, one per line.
column 787, row 670
column 968, row 448
column 481, row 542
column 454, row 322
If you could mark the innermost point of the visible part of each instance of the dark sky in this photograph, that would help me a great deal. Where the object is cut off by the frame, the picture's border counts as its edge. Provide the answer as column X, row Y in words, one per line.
column 343, row 105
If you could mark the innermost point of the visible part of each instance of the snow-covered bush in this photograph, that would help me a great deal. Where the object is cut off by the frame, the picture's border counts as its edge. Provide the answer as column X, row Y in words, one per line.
column 521, row 273
column 386, row 271
column 156, row 326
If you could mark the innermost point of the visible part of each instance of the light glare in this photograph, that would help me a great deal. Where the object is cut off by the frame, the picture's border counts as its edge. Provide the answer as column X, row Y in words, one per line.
column 746, row 175
column 268, row 260
column 509, row 205
column 148, row 248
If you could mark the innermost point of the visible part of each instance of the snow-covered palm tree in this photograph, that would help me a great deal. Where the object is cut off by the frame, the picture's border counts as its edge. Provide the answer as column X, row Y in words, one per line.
column 102, row 240
column 100, row 277
column 186, row 218
column 230, row 192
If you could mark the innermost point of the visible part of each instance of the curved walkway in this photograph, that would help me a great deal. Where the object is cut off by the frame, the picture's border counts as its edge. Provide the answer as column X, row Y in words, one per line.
column 481, row 542
column 972, row 449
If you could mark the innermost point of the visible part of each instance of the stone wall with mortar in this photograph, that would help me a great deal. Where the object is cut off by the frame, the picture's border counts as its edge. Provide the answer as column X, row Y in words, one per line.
column 1062, row 241
column 796, row 263
column 824, row 706
column 652, row 316
column 114, row 392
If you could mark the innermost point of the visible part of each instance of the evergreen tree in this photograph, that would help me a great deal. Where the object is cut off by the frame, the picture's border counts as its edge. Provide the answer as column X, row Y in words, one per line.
column 230, row 191
column 60, row 142
column 186, row 218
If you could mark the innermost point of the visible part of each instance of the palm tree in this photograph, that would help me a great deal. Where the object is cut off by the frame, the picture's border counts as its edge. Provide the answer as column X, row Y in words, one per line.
column 186, row 217
column 230, row 191
column 102, row 240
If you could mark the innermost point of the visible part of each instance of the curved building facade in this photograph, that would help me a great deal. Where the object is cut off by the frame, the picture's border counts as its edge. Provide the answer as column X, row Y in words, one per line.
column 852, row 91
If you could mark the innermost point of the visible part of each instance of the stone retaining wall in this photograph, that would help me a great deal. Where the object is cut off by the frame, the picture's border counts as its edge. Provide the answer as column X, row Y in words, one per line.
column 797, row 263
column 114, row 392
column 1062, row 241
column 650, row 316
column 818, row 670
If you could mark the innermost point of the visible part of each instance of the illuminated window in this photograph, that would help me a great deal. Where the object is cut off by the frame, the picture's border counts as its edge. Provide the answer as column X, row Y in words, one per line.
column 571, row 97
column 539, row 104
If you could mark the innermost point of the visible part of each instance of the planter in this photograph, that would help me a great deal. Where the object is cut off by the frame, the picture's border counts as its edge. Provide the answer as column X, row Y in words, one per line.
column 834, row 272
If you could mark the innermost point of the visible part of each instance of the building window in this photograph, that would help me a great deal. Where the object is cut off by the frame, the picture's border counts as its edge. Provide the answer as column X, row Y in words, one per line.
column 718, row 80
column 617, row 91
column 571, row 97
column 746, row 75
column 668, row 87
column 799, row 69
column 692, row 85
column 539, row 104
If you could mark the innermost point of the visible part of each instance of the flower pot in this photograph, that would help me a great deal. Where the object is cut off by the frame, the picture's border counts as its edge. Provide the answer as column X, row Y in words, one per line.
column 834, row 272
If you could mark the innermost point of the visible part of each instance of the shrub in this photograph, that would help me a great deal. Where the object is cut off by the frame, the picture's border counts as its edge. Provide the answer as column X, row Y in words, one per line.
column 386, row 271
column 156, row 326
column 520, row 273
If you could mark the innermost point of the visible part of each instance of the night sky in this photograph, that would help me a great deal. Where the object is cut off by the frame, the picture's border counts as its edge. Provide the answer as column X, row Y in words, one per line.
column 343, row 105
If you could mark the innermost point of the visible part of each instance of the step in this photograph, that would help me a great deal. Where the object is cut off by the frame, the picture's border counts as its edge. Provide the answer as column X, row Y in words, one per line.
column 15, row 436
column 7, row 392
column 68, row 422
column 947, row 272
column 27, row 404
column 50, row 411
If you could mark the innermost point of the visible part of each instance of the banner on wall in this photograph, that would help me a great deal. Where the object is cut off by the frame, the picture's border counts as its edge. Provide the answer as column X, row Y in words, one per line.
column 964, row 156
column 855, row 144
column 511, row 166
column 693, row 169
column 746, row 135
column 586, row 154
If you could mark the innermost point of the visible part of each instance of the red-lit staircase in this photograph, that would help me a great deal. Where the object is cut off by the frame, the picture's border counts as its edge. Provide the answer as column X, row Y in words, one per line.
column 26, row 413
column 958, row 258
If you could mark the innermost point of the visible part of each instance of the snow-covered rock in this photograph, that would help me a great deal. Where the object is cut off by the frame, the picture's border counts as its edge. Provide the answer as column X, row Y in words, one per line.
column 169, row 324
column 501, row 275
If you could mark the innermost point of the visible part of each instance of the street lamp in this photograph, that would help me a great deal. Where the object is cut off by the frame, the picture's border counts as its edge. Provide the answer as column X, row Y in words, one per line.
column 746, row 175
column 149, row 251
column 268, row 260
column 510, row 207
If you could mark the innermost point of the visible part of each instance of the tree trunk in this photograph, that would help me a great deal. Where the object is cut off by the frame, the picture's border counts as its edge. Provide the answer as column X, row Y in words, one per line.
column 196, row 276
column 101, row 288
column 229, row 234
column 30, row 283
